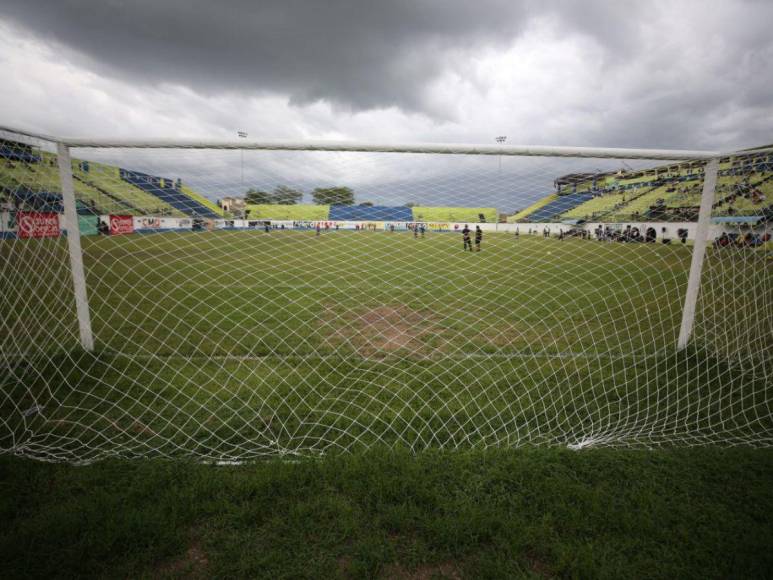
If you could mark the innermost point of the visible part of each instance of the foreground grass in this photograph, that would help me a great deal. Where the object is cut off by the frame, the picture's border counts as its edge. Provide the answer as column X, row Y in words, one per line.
column 688, row 513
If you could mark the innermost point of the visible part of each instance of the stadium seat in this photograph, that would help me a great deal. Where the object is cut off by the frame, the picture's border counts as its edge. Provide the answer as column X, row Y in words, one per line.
column 159, row 186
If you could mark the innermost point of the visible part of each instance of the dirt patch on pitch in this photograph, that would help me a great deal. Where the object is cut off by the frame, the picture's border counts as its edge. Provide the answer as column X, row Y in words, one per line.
column 193, row 564
column 384, row 330
column 447, row 570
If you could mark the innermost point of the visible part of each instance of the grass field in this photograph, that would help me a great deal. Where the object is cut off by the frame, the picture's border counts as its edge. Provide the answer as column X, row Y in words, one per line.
column 529, row 513
column 237, row 345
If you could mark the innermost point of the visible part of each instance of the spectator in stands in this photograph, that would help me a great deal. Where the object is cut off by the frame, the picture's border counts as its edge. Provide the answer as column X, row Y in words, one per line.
column 466, row 238
column 478, row 238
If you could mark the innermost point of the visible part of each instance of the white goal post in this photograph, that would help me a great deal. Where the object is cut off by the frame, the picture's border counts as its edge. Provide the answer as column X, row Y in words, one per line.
column 366, row 294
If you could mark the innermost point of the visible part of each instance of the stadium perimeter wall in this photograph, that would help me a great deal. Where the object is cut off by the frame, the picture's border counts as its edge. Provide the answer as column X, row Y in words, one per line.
column 149, row 224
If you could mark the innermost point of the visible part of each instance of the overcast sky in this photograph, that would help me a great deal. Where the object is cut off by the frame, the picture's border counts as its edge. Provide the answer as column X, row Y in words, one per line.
column 668, row 74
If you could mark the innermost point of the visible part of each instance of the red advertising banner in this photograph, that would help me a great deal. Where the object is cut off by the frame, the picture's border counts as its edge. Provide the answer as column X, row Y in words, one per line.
column 36, row 224
column 121, row 224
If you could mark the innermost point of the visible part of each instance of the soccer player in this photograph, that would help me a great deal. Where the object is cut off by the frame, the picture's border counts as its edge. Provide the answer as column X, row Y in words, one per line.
column 466, row 238
column 478, row 238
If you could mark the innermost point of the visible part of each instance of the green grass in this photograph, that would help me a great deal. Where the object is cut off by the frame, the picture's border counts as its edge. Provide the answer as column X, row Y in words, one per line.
column 453, row 214
column 247, row 344
column 693, row 513
column 299, row 212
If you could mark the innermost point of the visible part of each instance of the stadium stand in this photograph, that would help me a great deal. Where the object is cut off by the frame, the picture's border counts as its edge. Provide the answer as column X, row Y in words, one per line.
column 668, row 192
column 14, row 151
column 370, row 213
column 28, row 199
column 524, row 213
column 98, row 187
column 596, row 206
column 106, row 178
column 169, row 192
column 119, row 203
column 561, row 205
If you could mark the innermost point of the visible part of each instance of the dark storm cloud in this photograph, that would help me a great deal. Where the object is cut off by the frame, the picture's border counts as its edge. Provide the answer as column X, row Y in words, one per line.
column 651, row 74
column 356, row 54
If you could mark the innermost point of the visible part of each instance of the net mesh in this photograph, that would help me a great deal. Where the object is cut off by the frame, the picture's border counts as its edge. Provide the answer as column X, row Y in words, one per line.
column 343, row 306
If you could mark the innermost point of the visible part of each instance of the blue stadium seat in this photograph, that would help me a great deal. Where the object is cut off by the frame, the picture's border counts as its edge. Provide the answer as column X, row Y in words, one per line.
column 370, row 213
column 166, row 190
column 32, row 200
column 561, row 205
column 13, row 154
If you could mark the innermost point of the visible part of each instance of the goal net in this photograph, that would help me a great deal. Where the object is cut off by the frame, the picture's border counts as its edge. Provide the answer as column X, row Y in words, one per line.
column 235, row 301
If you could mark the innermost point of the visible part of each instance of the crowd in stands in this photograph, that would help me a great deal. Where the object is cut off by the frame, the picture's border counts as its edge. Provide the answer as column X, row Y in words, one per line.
column 634, row 234
column 740, row 191
column 749, row 239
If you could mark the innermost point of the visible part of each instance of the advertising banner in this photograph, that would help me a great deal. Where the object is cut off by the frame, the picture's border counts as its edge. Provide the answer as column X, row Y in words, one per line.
column 87, row 224
column 147, row 223
column 121, row 224
column 33, row 224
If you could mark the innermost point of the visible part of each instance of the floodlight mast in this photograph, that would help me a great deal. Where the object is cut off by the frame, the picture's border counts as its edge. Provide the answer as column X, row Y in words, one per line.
column 501, row 140
column 242, row 135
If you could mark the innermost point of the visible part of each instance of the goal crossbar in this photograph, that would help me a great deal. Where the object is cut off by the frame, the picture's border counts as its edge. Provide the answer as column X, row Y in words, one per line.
column 359, row 146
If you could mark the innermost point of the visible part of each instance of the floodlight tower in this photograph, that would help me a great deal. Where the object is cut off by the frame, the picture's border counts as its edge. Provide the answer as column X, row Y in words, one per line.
column 500, row 139
column 242, row 135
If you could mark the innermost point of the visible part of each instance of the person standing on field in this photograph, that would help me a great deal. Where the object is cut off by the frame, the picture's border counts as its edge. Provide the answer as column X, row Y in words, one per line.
column 478, row 238
column 466, row 238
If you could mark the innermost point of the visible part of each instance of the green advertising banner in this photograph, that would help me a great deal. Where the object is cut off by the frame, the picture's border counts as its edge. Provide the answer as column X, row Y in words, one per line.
column 88, row 225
